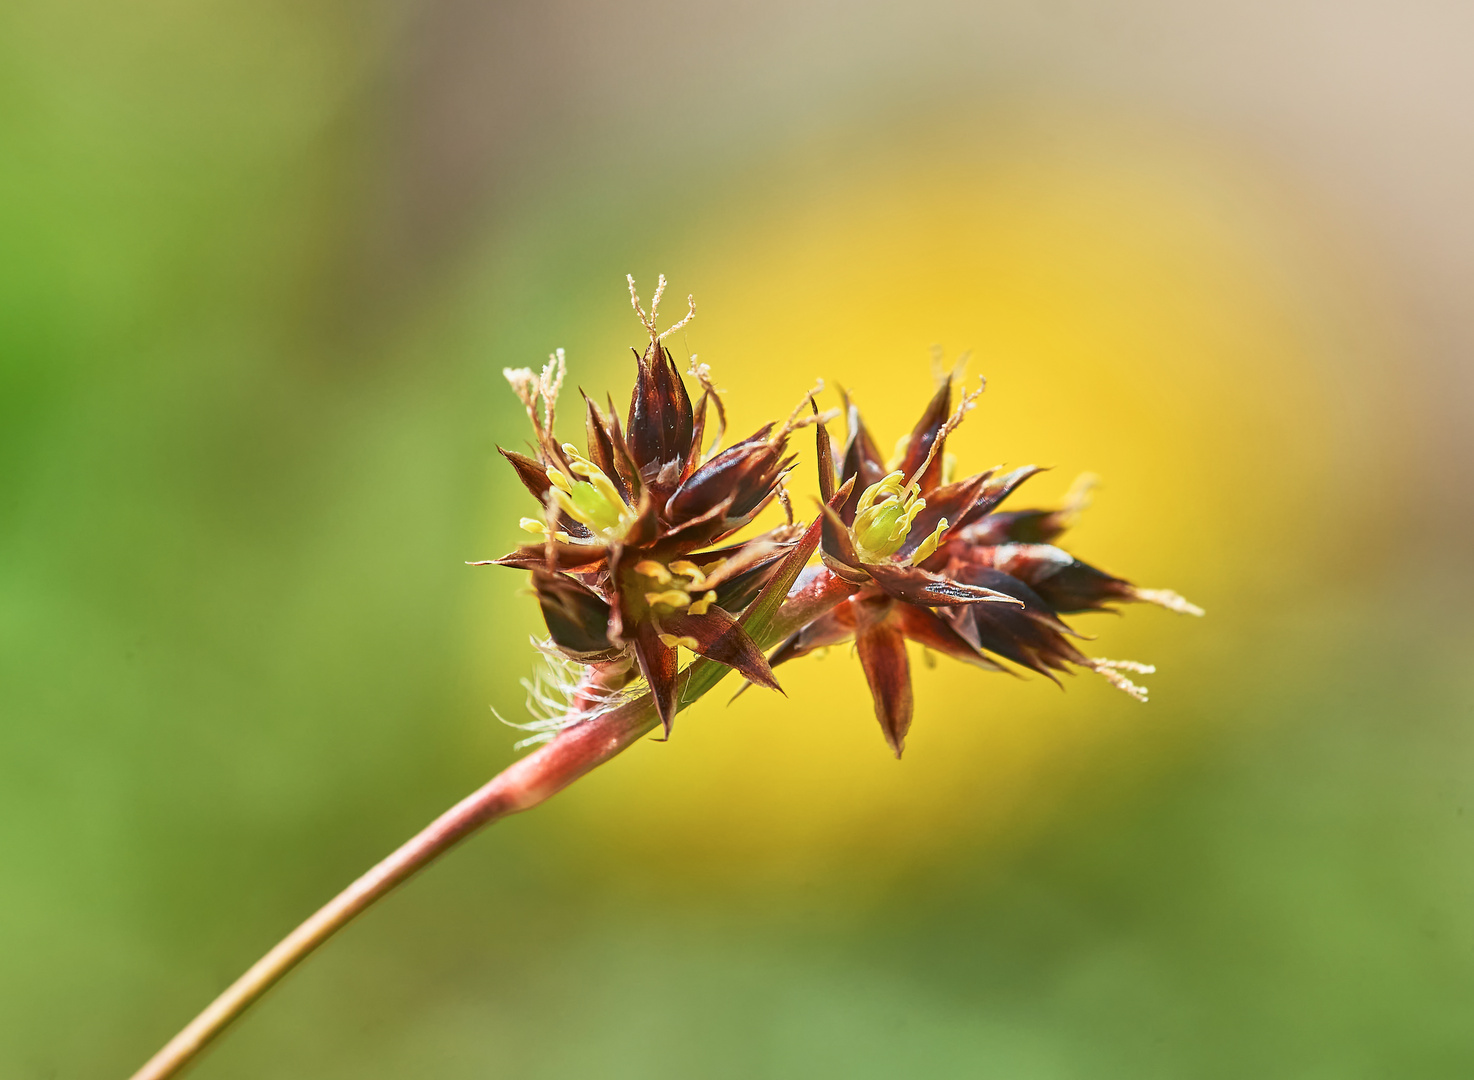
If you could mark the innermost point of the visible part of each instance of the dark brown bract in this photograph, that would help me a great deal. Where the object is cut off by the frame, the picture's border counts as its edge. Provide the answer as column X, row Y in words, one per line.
column 931, row 560
column 636, row 555
column 624, row 567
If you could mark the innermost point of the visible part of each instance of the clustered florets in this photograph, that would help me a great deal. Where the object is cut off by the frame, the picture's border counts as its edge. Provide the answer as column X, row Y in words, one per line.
column 636, row 559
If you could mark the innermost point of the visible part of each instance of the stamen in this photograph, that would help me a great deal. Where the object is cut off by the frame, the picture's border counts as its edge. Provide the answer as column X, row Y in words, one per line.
column 596, row 476
column 928, row 547
column 547, row 529
column 653, row 570
column 671, row 598
column 690, row 570
column 670, row 641
column 551, row 502
column 888, row 487
column 698, row 607
column 884, row 515
column 593, row 501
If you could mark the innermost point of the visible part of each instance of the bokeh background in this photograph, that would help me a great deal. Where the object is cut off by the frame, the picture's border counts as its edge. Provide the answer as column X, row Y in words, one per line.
column 260, row 267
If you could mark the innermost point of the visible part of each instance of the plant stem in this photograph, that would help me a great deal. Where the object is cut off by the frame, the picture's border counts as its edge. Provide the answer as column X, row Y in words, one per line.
column 522, row 785
column 577, row 749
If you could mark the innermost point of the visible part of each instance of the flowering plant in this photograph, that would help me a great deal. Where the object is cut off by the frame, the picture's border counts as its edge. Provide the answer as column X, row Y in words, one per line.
column 638, row 555
column 626, row 574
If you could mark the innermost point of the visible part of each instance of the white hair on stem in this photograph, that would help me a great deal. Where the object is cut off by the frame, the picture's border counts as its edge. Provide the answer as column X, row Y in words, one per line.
column 559, row 694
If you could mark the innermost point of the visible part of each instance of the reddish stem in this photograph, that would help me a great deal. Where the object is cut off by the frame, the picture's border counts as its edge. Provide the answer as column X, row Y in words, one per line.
column 522, row 785
column 576, row 750
column 816, row 592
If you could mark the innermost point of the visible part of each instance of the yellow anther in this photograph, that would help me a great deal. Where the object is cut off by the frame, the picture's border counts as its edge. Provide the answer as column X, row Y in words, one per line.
column 593, row 501
column 671, row 598
column 651, row 569
column 670, row 641
column 698, row 607
column 690, row 570
column 597, row 478
column 532, row 525
column 888, row 488
column 928, row 547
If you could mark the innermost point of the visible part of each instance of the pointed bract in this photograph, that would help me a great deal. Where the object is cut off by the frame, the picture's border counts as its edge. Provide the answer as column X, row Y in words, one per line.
column 576, row 616
column 882, row 650
column 657, row 662
column 995, row 490
column 929, row 629
column 744, row 473
column 635, row 558
column 919, row 442
column 927, row 562
column 661, row 421
column 601, row 448
column 716, row 636
column 833, row 628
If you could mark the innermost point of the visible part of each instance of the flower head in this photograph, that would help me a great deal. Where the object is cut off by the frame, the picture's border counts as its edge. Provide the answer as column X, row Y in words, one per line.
column 624, row 565
column 636, row 553
column 918, row 557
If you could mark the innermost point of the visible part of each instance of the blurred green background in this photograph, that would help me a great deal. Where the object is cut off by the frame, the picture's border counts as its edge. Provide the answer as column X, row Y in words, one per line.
column 260, row 268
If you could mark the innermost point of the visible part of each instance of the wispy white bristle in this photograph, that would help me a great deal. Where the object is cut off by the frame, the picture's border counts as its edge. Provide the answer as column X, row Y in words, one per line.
column 551, row 692
column 1168, row 599
column 1111, row 670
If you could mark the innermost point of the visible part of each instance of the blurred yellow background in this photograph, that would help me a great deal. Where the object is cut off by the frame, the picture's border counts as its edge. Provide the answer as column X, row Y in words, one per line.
column 260, row 269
